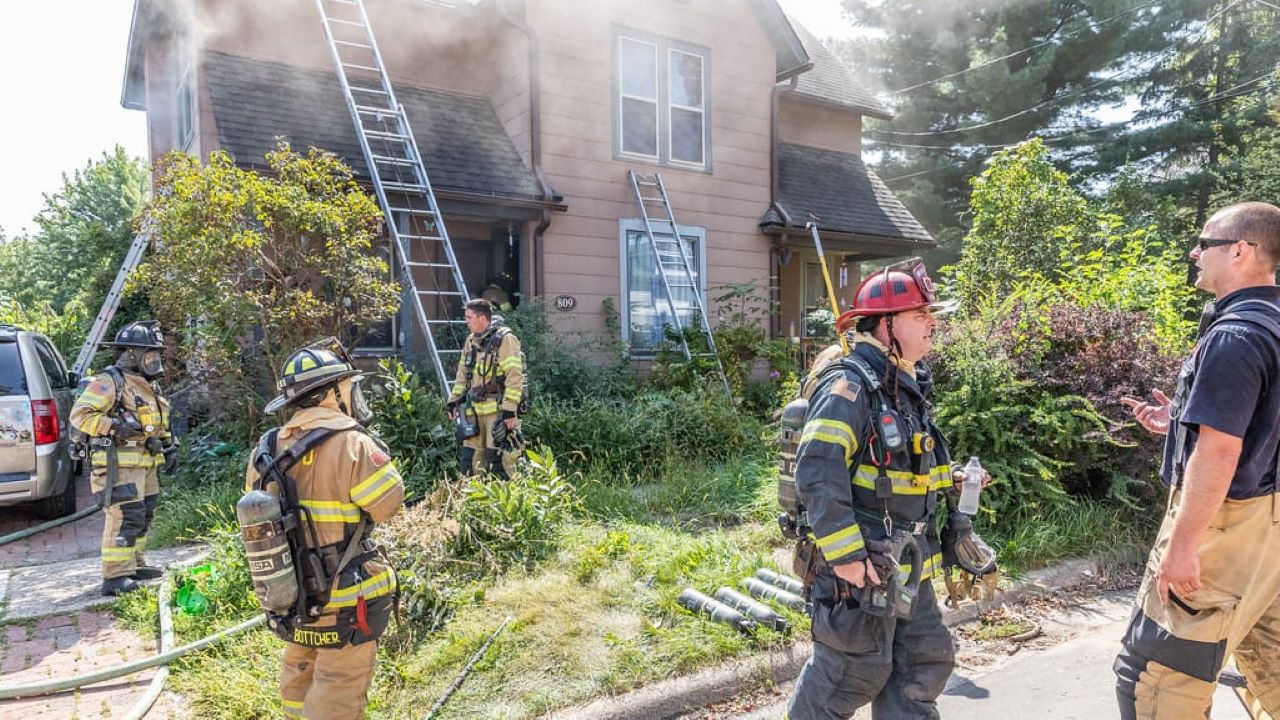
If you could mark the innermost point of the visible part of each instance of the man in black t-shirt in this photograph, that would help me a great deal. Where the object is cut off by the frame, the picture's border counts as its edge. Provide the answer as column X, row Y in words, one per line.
column 1212, row 584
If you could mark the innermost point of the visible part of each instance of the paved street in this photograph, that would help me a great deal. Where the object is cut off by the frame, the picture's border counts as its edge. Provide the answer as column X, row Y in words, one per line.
column 1064, row 675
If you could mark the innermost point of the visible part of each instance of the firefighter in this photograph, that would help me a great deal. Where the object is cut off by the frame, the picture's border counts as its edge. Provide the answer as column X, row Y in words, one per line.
column 868, row 425
column 488, row 394
column 346, row 482
column 126, row 422
column 1212, row 582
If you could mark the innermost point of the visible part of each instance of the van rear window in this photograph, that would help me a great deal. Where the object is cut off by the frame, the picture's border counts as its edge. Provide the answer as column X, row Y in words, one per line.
column 13, row 381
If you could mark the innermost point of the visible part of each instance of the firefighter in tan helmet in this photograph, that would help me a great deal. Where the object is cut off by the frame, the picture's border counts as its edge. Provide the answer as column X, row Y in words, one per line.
column 342, row 481
column 126, row 422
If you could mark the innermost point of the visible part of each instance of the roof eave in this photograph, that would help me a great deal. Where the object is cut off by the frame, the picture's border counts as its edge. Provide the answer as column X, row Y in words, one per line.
column 878, row 112
column 133, row 95
column 792, row 59
column 868, row 241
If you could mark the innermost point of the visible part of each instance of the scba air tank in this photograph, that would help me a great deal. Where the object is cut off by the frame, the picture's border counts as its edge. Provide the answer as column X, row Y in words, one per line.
column 267, row 550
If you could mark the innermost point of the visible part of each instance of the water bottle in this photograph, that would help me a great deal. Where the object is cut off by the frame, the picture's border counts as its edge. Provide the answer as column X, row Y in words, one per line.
column 972, row 486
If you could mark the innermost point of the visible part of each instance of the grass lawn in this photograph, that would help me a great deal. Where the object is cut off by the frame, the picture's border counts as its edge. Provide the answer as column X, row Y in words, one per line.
column 596, row 614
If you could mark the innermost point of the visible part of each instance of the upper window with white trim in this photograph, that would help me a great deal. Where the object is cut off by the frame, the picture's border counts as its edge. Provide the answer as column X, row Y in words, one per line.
column 661, row 111
column 184, row 124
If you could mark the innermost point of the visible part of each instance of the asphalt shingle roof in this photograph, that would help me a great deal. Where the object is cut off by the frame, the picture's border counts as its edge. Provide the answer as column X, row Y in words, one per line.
column 830, row 81
column 460, row 137
column 843, row 193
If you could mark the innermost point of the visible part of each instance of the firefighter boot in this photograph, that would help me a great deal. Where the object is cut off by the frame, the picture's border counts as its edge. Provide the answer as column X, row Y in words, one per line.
column 118, row 586
column 147, row 572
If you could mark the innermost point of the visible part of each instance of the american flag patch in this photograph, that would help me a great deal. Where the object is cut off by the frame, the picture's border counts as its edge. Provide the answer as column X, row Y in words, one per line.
column 379, row 458
column 845, row 389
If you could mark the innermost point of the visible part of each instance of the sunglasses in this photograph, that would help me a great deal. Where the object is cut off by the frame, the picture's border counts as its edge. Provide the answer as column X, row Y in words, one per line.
column 1204, row 243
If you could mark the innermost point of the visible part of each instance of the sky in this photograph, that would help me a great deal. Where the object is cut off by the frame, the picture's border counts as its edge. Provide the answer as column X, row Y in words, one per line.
column 65, row 60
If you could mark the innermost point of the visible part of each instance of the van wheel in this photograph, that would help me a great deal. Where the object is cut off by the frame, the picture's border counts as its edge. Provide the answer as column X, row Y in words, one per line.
column 60, row 505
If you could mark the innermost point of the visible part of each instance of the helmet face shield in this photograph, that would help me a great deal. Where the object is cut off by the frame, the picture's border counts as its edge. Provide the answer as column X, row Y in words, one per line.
column 356, row 404
column 151, row 363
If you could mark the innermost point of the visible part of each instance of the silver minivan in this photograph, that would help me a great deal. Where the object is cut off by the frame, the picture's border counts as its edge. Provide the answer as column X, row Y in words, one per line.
column 36, row 394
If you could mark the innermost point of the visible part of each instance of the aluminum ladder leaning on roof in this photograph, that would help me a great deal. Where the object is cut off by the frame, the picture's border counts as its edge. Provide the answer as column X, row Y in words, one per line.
column 672, row 263
column 112, row 303
column 431, row 275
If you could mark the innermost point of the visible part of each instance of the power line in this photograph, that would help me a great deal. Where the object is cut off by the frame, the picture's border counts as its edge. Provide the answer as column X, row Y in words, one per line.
column 1070, row 134
column 1016, row 53
column 1165, row 55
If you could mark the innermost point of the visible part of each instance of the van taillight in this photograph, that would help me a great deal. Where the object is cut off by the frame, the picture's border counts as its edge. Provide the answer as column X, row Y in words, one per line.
column 44, row 413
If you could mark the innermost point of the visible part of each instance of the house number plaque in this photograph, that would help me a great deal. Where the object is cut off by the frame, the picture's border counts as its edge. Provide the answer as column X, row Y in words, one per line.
column 565, row 303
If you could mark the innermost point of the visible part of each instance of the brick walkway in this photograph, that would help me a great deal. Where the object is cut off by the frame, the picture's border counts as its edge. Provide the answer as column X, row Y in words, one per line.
column 81, row 538
column 74, row 643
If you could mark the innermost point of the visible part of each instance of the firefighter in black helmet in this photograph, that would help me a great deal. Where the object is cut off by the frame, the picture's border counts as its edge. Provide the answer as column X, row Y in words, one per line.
column 126, row 419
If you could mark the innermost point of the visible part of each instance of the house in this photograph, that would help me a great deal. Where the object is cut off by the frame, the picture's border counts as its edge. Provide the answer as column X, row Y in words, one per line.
column 529, row 114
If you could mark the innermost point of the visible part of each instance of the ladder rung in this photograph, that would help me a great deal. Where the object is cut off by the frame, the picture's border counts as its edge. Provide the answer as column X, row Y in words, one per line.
column 404, row 188
column 412, row 263
column 412, row 211
column 386, row 135
column 340, row 21
column 440, row 292
column 348, row 43
column 446, row 322
column 433, row 238
column 371, row 110
column 375, row 91
column 357, row 66
column 343, row 2
column 394, row 160
column 448, row 352
column 651, row 199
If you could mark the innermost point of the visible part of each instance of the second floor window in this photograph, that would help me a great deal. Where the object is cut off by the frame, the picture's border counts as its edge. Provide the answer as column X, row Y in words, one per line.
column 662, row 101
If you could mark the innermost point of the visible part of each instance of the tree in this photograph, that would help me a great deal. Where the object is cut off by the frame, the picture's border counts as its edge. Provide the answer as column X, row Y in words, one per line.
column 55, row 280
column 249, row 266
column 987, row 91
column 1216, row 64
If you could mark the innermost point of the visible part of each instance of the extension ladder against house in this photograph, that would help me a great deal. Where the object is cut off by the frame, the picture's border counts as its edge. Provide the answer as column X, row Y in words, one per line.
column 112, row 303
column 672, row 263
column 424, row 255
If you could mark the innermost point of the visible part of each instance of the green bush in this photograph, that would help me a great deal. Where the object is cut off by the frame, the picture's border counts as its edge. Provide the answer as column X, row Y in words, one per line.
column 643, row 435
column 208, row 483
column 411, row 419
column 516, row 522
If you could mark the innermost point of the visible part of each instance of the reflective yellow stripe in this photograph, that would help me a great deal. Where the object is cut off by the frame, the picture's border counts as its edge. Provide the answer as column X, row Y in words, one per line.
column 509, row 363
column 378, row 585
column 293, row 708
column 94, row 399
column 511, row 393
column 128, row 459
column 486, row 407
column 376, row 485
column 932, row 566
column 941, row 477
column 332, row 511
column 117, row 554
column 904, row 482
column 830, row 431
column 841, row 543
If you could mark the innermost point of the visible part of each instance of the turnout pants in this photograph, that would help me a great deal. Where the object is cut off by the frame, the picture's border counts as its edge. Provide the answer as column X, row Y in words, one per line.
column 326, row 684
column 1171, row 655
column 900, row 667
column 128, row 515
column 485, row 456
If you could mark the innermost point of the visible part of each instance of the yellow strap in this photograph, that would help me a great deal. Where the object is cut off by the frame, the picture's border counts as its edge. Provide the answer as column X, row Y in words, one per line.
column 378, row 585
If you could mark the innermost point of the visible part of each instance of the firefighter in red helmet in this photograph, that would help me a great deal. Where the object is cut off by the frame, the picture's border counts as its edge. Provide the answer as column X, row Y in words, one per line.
column 870, row 469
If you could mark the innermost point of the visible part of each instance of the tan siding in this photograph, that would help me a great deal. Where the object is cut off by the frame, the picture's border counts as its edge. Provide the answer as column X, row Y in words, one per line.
column 807, row 124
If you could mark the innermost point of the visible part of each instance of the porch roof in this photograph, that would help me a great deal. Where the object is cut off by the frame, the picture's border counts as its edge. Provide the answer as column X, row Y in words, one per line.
column 843, row 195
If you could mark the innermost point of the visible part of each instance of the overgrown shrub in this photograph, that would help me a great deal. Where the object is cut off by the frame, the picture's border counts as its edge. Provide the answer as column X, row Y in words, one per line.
column 565, row 367
column 642, row 435
column 515, row 522
column 411, row 419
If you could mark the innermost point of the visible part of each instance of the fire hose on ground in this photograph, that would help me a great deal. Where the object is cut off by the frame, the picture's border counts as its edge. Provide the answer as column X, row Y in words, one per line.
column 34, row 529
column 129, row 668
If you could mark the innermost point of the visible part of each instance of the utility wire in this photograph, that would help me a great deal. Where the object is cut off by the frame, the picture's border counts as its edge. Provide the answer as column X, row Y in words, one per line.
column 1028, row 49
column 1160, row 58
column 1069, row 134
